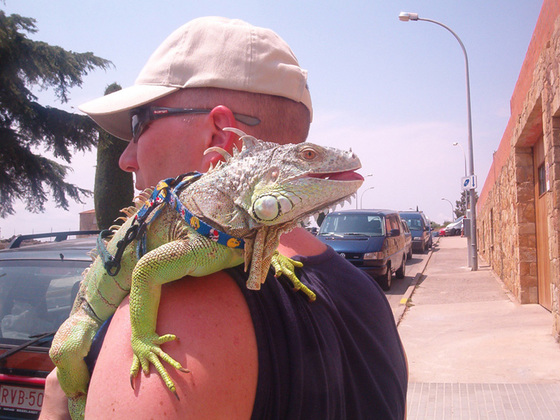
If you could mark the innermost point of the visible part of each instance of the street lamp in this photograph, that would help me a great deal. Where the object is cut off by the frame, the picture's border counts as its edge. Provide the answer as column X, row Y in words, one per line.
column 367, row 176
column 473, row 256
column 467, row 212
column 452, row 215
column 362, row 196
column 464, row 156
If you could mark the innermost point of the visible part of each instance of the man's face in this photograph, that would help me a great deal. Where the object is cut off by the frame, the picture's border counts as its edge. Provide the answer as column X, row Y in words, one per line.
column 167, row 147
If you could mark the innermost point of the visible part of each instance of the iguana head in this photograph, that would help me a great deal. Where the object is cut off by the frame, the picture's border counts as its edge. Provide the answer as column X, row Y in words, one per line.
column 265, row 189
column 287, row 183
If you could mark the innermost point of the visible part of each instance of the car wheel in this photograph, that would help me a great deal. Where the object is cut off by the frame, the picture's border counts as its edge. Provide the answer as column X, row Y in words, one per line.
column 385, row 280
column 401, row 272
column 409, row 255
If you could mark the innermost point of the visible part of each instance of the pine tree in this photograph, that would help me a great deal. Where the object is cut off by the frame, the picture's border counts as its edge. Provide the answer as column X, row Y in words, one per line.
column 27, row 126
column 113, row 187
column 462, row 204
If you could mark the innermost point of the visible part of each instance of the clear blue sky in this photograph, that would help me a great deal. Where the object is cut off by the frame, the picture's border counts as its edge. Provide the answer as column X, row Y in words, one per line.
column 392, row 91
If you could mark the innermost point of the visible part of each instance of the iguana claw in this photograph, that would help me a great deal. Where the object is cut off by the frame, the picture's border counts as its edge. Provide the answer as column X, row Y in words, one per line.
column 147, row 351
column 286, row 266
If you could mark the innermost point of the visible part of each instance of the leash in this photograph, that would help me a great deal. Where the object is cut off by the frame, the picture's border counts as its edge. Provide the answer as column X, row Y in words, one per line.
column 166, row 192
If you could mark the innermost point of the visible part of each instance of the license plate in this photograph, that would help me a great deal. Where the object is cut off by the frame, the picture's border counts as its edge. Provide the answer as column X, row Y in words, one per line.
column 21, row 399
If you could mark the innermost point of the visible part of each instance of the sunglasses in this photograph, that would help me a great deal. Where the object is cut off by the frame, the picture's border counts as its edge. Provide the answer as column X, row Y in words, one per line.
column 141, row 117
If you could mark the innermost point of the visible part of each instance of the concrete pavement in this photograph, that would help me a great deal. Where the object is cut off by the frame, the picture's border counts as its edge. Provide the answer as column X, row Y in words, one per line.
column 473, row 351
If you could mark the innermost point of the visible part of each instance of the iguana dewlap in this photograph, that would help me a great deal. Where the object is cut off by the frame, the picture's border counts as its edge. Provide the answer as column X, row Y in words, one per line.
column 257, row 194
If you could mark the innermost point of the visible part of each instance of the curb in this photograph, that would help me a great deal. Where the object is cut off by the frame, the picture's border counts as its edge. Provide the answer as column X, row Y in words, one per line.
column 410, row 290
column 406, row 299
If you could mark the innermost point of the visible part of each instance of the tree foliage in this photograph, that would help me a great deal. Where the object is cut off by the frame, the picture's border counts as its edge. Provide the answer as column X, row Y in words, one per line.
column 114, row 188
column 462, row 204
column 26, row 126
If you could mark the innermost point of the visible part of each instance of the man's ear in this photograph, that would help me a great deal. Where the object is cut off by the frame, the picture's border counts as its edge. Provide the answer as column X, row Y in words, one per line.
column 222, row 117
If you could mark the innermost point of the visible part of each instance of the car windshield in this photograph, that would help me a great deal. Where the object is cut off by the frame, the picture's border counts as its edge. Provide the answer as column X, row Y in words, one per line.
column 353, row 224
column 36, row 296
column 413, row 223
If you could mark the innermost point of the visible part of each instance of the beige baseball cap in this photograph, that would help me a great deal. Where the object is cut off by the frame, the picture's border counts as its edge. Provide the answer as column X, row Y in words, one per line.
column 207, row 52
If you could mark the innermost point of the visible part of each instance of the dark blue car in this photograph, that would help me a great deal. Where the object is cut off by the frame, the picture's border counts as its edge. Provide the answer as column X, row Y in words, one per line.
column 372, row 240
column 419, row 228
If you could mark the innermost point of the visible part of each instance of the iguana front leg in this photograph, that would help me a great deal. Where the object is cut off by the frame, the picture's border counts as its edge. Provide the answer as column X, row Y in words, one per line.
column 194, row 256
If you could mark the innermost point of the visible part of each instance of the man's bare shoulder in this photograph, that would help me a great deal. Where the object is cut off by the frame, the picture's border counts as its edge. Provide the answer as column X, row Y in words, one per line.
column 216, row 343
column 300, row 242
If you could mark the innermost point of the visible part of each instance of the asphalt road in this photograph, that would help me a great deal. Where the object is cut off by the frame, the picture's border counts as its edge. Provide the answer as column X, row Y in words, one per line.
column 399, row 286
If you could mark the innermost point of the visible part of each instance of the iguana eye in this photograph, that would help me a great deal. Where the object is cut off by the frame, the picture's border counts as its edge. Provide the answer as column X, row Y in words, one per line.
column 308, row 153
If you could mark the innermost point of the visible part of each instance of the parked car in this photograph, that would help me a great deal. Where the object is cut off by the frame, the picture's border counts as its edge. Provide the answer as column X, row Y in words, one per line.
column 454, row 228
column 408, row 240
column 372, row 240
column 442, row 232
column 38, row 284
column 420, row 228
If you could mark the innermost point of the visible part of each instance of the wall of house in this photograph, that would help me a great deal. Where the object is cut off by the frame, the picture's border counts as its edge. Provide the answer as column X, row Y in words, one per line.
column 88, row 220
column 506, row 207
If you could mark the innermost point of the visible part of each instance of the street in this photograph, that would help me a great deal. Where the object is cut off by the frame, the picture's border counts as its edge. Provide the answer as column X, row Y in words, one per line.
column 399, row 286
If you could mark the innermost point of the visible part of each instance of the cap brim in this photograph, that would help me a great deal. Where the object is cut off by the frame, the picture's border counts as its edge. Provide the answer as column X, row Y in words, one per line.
column 112, row 112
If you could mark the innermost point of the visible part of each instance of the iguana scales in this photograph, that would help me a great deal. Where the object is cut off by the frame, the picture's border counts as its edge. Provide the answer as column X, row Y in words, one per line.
column 255, row 195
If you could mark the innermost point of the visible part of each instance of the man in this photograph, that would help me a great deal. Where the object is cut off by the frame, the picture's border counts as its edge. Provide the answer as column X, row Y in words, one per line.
column 260, row 354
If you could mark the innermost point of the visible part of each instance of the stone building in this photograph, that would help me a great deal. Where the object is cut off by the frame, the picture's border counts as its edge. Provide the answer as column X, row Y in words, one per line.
column 518, row 211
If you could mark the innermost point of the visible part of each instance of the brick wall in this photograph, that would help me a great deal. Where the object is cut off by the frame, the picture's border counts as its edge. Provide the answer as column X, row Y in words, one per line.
column 506, row 207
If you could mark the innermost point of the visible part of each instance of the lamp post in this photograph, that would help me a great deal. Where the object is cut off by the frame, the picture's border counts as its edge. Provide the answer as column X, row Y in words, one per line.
column 473, row 256
column 467, row 212
column 464, row 156
column 362, row 196
column 367, row 176
column 451, row 204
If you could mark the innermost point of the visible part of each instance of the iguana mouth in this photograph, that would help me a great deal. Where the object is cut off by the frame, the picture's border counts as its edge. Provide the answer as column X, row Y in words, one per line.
column 339, row 176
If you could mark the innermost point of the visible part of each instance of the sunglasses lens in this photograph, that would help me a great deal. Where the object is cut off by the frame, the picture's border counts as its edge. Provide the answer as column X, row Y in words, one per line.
column 137, row 124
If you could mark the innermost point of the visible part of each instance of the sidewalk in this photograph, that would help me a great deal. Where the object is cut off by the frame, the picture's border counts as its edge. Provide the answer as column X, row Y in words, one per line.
column 473, row 351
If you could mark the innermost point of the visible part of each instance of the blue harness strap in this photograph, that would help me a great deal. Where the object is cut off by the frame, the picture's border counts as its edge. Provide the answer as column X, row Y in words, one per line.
column 167, row 192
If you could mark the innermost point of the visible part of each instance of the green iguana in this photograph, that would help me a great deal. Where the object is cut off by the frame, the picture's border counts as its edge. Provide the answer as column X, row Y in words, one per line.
column 253, row 197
